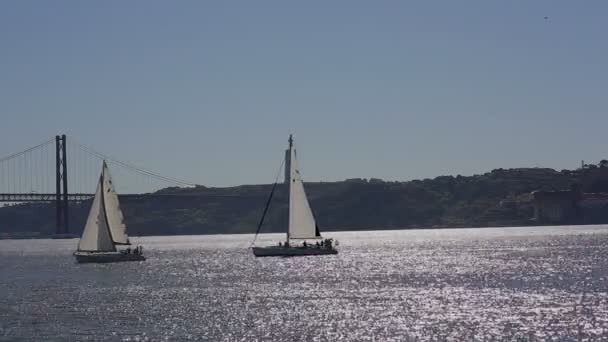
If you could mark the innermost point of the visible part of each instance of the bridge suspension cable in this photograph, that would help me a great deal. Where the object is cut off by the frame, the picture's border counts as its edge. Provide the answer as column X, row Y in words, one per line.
column 21, row 172
column 41, row 172
column 15, row 155
column 130, row 166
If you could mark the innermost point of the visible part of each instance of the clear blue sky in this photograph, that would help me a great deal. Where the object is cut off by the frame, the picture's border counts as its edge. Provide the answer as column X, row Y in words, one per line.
column 208, row 91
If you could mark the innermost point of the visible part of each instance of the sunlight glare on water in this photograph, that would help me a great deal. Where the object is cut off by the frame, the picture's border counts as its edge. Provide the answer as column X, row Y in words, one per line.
column 541, row 283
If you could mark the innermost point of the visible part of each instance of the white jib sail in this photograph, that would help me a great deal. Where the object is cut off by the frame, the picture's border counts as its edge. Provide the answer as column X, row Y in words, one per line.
column 113, row 212
column 301, row 220
column 96, row 235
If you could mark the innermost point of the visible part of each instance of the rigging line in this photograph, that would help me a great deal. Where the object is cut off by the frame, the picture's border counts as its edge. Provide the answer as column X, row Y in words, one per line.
column 133, row 167
column 25, row 151
column 276, row 181
column 246, row 291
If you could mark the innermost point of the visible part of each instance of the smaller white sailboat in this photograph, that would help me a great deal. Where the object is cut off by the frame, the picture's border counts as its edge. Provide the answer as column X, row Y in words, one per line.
column 302, row 227
column 105, row 228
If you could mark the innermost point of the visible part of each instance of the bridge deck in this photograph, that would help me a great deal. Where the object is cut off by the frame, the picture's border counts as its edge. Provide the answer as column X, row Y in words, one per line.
column 35, row 197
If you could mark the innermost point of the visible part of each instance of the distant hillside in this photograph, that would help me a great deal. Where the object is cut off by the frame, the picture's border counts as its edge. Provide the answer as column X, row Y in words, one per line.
column 497, row 198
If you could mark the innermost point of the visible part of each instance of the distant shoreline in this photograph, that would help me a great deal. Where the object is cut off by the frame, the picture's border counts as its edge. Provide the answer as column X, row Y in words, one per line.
column 499, row 198
column 34, row 235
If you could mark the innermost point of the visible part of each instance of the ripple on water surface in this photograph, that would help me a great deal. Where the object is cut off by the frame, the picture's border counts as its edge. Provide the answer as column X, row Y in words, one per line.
column 519, row 283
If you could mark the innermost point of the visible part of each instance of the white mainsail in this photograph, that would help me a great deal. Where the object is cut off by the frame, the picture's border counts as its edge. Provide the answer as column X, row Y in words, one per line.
column 301, row 220
column 113, row 212
column 96, row 235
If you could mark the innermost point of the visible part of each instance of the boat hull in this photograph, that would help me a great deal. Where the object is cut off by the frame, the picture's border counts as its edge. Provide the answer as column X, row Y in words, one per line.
column 107, row 257
column 278, row 251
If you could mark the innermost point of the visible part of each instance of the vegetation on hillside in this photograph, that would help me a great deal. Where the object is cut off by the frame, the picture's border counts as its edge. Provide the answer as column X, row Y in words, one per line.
column 497, row 198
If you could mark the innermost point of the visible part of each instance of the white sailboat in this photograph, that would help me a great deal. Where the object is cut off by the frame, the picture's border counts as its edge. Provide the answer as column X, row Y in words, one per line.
column 105, row 228
column 302, row 226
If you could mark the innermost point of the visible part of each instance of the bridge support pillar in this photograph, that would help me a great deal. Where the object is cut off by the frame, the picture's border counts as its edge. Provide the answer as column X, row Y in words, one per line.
column 61, row 178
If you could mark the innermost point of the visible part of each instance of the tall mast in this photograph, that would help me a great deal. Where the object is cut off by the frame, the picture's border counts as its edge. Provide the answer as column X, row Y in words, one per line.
column 103, row 203
column 288, row 161
column 288, row 154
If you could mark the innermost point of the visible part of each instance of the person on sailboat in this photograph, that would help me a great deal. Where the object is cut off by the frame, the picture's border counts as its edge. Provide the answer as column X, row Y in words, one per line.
column 105, row 228
column 301, row 220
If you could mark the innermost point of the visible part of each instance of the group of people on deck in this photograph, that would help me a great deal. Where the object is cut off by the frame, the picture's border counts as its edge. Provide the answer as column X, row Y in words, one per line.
column 327, row 243
column 137, row 250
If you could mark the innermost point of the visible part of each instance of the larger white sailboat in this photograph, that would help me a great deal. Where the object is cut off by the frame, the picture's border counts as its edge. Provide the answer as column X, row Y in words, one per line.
column 302, row 227
column 105, row 228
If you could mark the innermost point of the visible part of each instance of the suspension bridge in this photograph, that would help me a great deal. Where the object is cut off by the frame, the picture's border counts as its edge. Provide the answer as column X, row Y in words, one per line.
column 62, row 171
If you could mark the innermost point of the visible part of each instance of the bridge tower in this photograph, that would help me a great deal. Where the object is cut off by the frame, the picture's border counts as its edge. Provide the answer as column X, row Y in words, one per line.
column 61, row 177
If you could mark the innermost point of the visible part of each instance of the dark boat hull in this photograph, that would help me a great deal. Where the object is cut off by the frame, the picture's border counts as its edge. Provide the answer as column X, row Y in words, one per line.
column 106, row 257
column 277, row 251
